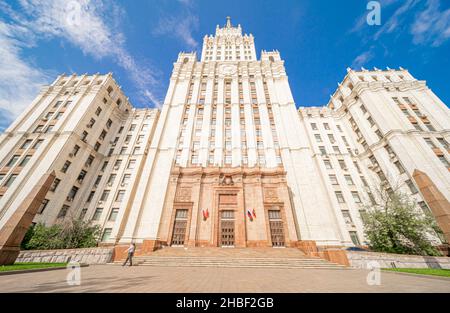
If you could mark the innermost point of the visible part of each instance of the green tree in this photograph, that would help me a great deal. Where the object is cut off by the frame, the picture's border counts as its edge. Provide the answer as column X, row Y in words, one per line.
column 396, row 225
column 69, row 235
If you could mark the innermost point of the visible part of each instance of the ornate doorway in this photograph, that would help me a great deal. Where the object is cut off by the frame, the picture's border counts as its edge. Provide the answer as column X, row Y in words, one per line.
column 227, row 228
column 276, row 228
column 179, row 227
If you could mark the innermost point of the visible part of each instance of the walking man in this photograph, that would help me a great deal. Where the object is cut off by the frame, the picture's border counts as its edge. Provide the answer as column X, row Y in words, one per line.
column 130, row 251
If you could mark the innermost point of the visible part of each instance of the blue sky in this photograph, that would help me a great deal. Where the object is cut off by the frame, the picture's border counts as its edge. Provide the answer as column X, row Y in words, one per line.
column 139, row 41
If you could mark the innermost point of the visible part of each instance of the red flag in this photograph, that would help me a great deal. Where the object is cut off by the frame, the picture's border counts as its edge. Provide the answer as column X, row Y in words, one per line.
column 254, row 213
column 250, row 215
column 204, row 215
column 207, row 213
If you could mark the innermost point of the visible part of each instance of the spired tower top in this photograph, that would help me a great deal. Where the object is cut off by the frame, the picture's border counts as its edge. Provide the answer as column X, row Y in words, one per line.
column 228, row 44
column 228, row 22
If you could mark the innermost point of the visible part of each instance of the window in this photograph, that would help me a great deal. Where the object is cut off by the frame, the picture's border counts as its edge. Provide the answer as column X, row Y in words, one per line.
column 81, row 176
column 84, row 136
column 333, row 179
column 137, row 150
column 117, row 164
column 10, row 180
column 26, row 144
column 106, row 234
column 322, row 149
column 73, row 192
column 91, row 123
column 326, row 126
column 371, row 121
column 336, row 149
column 328, row 164
column 331, row 138
column 97, row 181
column 105, row 195
column 356, row 197
column 43, row 206
column 105, row 164
column 98, row 111
column 38, row 144
column 63, row 212
column 97, row 214
column 55, row 184
column 83, row 213
column 89, row 161
column 120, row 195
column 75, row 150
column 314, row 126
column 354, row 237
column 113, row 215
column 131, row 164
column 13, row 161
column 66, row 166
column 108, row 124
column 132, row 127
column 39, row 129
column 111, row 179
column 349, row 180
column 342, row 165
column 2, row 176
column 426, row 210
column 444, row 143
column 363, row 109
column 126, row 179
column 318, row 138
column 399, row 167
column 411, row 186
column 97, row 146
column 91, row 195
column 339, row 197
column 444, row 161
column 347, row 217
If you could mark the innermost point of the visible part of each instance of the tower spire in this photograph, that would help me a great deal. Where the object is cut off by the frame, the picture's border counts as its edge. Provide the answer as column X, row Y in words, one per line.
column 228, row 22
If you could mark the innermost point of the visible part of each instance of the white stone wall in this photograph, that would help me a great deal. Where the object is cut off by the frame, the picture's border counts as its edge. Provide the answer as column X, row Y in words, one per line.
column 84, row 256
column 389, row 260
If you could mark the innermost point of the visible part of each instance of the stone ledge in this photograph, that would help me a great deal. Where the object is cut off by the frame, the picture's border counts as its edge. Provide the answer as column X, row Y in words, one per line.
column 88, row 256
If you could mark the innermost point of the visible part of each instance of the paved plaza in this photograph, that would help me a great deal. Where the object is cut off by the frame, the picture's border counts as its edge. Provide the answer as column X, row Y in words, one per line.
column 111, row 278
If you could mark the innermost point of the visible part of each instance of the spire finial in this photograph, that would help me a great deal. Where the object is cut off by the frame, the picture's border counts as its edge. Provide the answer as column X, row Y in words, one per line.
column 228, row 22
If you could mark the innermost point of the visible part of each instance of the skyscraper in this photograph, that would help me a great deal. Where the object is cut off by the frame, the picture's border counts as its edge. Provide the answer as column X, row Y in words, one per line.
column 228, row 160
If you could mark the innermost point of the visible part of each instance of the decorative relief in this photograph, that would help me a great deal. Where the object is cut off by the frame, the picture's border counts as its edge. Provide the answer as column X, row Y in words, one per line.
column 227, row 69
column 227, row 199
column 226, row 181
column 183, row 195
column 270, row 195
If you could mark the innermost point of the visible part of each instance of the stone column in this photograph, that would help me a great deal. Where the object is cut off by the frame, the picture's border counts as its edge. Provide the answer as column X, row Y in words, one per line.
column 14, row 230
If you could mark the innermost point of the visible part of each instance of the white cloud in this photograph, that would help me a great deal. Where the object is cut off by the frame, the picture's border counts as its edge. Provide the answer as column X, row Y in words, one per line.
column 180, row 27
column 396, row 19
column 431, row 25
column 20, row 79
column 362, row 59
column 91, row 25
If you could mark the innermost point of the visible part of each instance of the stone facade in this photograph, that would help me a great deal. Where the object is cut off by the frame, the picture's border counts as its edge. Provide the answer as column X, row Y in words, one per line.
column 84, row 256
column 228, row 160
column 389, row 260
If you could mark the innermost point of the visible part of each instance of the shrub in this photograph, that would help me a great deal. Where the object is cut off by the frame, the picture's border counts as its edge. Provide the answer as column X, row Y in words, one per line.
column 398, row 226
column 72, row 234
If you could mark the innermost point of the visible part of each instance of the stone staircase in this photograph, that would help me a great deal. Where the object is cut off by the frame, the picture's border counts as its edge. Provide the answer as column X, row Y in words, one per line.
column 233, row 257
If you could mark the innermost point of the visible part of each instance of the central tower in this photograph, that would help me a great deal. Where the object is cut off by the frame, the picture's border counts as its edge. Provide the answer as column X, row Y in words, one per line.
column 228, row 157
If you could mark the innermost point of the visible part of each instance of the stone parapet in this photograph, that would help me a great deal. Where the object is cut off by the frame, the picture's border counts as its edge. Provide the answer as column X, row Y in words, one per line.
column 86, row 256
column 361, row 259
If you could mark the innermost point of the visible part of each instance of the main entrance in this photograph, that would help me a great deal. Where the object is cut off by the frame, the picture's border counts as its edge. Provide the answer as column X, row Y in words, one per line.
column 227, row 228
column 276, row 228
column 179, row 227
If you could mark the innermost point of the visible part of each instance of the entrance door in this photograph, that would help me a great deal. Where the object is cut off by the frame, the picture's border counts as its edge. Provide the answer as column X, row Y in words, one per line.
column 179, row 228
column 276, row 228
column 227, row 228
